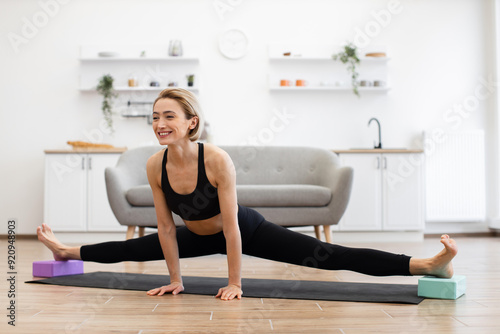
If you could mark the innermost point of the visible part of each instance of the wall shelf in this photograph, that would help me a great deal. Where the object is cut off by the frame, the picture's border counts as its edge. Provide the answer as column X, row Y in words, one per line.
column 156, row 65
column 323, row 58
column 314, row 64
column 126, row 89
column 140, row 59
column 328, row 88
column 127, row 63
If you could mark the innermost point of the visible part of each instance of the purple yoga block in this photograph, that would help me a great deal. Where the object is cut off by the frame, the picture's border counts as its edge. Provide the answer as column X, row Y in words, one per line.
column 57, row 268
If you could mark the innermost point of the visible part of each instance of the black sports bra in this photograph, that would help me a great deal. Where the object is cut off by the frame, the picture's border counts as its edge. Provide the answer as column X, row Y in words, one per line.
column 202, row 203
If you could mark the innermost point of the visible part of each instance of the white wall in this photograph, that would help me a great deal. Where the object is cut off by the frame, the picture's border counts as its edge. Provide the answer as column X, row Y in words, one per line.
column 439, row 50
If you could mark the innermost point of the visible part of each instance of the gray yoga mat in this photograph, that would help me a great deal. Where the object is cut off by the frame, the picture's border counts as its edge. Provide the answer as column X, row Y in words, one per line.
column 257, row 288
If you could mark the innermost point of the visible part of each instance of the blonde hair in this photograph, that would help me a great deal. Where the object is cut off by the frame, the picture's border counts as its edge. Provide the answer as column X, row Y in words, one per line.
column 190, row 106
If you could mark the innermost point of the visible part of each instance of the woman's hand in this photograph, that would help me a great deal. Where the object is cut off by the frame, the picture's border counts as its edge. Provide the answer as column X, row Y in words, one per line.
column 174, row 287
column 229, row 292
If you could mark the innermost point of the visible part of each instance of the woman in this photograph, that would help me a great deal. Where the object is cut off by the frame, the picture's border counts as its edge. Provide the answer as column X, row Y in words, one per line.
column 215, row 223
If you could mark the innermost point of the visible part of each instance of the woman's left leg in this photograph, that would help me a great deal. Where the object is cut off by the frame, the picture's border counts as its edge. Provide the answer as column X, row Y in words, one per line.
column 274, row 242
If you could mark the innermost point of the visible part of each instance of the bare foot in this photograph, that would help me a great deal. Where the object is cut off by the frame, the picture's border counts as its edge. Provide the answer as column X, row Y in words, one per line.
column 47, row 237
column 441, row 263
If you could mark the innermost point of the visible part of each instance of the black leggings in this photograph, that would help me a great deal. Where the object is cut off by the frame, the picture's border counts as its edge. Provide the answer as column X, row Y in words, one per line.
column 260, row 238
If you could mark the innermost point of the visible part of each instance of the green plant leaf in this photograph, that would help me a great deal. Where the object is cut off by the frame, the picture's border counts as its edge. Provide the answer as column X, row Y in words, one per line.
column 349, row 56
column 105, row 88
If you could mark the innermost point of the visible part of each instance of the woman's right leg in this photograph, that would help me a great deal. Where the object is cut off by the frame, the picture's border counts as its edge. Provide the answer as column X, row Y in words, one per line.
column 141, row 249
column 61, row 252
column 147, row 248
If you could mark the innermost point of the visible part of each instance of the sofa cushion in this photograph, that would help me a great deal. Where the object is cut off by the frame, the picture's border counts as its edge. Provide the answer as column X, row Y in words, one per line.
column 140, row 196
column 255, row 195
column 283, row 195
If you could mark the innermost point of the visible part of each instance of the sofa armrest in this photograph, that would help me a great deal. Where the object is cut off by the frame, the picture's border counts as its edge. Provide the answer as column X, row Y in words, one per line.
column 339, row 180
column 116, row 187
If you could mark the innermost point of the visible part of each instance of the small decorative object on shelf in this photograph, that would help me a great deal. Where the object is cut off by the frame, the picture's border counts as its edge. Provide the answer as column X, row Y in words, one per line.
column 105, row 88
column 108, row 54
column 133, row 82
column 349, row 56
column 285, row 83
column 190, row 80
column 301, row 83
column 175, row 48
column 365, row 83
column 376, row 54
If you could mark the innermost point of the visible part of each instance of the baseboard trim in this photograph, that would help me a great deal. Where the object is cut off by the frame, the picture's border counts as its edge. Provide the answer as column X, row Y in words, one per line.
column 456, row 227
column 494, row 224
column 464, row 235
column 376, row 236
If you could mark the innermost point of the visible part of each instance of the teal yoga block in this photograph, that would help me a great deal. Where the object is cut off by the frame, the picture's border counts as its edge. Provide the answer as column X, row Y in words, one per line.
column 442, row 288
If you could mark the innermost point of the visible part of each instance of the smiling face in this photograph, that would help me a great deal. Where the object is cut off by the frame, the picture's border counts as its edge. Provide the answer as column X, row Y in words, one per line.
column 170, row 123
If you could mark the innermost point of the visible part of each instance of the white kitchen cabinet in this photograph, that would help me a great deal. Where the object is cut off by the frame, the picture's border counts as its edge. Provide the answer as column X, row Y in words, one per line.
column 402, row 189
column 386, row 193
column 75, row 192
column 65, row 195
column 364, row 212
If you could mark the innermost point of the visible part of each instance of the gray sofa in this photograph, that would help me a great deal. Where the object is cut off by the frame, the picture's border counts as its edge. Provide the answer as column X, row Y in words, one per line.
column 289, row 186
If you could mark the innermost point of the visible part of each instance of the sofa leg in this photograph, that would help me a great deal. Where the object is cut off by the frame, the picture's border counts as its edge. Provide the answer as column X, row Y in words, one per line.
column 141, row 231
column 328, row 234
column 317, row 231
column 130, row 232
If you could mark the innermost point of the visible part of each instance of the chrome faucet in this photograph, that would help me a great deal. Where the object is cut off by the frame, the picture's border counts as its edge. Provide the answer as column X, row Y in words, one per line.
column 379, row 132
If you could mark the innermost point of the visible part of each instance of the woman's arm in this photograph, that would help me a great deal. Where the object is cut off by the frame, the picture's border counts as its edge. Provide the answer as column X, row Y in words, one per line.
column 166, row 229
column 226, row 188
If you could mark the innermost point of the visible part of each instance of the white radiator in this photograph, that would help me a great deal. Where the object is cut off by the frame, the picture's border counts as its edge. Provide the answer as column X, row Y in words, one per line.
column 455, row 177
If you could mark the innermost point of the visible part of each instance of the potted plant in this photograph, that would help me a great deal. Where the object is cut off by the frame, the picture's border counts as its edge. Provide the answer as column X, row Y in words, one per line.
column 349, row 56
column 105, row 88
column 190, row 80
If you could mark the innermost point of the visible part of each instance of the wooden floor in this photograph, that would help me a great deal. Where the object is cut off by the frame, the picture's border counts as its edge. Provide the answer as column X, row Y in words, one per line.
column 57, row 309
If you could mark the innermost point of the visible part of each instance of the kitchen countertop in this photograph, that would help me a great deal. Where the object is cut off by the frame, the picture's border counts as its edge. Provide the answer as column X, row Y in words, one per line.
column 87, row 150
column 123, row 149
column 379, row 150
